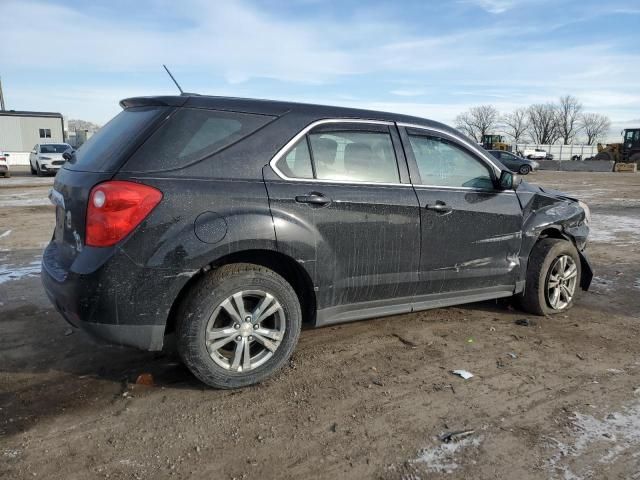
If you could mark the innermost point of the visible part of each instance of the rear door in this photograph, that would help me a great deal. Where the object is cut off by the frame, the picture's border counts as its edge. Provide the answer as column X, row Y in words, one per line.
column 471, row 232
column 343, row 206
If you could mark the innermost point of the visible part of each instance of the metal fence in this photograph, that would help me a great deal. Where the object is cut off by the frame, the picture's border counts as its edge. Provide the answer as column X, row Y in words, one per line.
column 562, row 152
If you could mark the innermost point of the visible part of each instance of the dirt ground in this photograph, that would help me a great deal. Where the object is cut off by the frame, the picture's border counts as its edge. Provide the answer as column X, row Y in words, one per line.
column 559, row 398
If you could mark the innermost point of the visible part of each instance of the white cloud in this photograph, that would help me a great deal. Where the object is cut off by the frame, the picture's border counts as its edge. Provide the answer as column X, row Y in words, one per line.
column 402, row 92
column 493, row 6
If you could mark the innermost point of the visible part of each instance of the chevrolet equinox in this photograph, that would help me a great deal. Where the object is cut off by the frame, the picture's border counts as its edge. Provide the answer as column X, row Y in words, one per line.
column 232, row 222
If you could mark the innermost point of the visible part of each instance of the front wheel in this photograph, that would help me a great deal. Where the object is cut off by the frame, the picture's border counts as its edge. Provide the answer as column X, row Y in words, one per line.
column 524, row 169
column 553, row 277
column 238, row 325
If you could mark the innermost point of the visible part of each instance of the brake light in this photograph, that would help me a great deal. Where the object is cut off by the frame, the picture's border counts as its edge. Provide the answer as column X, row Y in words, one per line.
column 116, row 208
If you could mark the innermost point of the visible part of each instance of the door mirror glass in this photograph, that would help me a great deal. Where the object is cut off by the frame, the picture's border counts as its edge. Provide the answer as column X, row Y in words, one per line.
column 509, row 180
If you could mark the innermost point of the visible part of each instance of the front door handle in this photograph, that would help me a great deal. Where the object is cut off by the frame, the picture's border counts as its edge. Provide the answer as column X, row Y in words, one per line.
column 313, row 198
column 439, row 207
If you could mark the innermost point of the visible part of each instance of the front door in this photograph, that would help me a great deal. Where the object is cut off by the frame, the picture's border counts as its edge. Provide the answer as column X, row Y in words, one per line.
column 344, row 208
column 471, row 231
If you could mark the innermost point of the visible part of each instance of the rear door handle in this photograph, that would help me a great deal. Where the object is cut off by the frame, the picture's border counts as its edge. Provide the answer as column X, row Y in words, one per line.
column 439, row 207
column 313, row 198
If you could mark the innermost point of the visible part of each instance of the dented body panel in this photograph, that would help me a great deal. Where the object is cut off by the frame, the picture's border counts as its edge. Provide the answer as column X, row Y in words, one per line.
column 373, row 249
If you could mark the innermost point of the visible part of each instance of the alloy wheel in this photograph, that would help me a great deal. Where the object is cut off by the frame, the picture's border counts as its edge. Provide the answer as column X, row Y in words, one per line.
column 561, row 282
column 245, row 330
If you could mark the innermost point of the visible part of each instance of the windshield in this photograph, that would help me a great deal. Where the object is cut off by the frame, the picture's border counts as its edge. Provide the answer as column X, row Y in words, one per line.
column 54, row 148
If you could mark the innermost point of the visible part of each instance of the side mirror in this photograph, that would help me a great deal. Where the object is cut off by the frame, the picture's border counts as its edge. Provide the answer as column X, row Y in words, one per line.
column 67, row 154
column 509, row 180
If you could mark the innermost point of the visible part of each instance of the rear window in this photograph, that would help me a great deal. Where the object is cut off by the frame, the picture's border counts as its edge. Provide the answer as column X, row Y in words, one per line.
column 106, row 150
column 191, row 135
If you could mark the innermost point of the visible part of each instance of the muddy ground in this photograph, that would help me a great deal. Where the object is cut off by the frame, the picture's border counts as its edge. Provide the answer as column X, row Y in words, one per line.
column 559, row 398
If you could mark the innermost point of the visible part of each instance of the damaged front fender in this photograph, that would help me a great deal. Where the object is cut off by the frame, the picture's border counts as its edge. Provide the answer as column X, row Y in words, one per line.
column 547, row 213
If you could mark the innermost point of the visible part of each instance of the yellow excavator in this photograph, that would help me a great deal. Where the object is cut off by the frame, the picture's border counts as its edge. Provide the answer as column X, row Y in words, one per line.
column 626, row 152
column 495, row 142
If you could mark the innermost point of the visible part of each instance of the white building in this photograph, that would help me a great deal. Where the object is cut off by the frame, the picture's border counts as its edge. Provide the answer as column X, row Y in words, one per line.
column 21, row 131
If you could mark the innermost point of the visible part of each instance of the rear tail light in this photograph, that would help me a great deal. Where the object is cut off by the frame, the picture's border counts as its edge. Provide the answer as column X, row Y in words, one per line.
column 116, row 208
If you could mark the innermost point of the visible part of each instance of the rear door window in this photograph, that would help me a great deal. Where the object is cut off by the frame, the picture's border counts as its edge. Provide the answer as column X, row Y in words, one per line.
column 191, row 135
column 109, row 147
column 354, row 156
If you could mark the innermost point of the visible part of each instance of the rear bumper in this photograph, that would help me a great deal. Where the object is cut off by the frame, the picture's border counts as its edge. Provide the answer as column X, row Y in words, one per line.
column 119, row 302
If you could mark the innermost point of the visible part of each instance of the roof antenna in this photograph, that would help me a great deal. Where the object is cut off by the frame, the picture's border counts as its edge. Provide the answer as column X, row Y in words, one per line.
column 174, row 80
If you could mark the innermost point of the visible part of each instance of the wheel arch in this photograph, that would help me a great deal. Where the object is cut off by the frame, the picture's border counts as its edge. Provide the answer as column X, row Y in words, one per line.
column 282, row 264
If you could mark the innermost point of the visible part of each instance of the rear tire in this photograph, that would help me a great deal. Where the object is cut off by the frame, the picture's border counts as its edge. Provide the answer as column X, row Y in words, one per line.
column 210, row 315
column 524, row 169
column 546, row 270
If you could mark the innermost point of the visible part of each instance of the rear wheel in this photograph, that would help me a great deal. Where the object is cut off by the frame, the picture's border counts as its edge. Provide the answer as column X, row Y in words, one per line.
column 238, row 325
column 553, row 277
column 524, row 169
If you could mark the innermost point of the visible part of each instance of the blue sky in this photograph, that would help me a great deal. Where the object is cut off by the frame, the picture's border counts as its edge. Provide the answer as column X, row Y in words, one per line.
column 427, row 58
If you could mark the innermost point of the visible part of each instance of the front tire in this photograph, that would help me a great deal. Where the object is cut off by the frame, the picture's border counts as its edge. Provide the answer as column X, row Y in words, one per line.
column 39, row 171
column 238, row 325
column 553, row 277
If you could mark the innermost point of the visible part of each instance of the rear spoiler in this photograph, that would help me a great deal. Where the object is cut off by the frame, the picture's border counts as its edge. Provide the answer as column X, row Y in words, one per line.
column 168, row 101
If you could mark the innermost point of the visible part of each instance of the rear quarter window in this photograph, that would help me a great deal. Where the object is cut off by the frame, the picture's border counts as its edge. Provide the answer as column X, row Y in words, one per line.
column 191, row 135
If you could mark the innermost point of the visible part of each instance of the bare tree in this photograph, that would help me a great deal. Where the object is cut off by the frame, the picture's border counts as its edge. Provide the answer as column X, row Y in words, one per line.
column 569, row 112
column 516, row 124
column 543, row 123
column 595, row 126
column 478, row 121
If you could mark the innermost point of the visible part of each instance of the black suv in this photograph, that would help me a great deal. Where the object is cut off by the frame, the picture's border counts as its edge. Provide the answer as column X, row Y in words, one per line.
column 231, row 222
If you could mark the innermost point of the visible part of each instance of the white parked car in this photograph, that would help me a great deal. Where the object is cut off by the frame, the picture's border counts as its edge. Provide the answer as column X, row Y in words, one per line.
column 4, row 165
column 47, row 158
column 537, row 154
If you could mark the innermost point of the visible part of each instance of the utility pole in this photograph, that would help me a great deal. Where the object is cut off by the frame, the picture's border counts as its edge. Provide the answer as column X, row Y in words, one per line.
column 1, row 97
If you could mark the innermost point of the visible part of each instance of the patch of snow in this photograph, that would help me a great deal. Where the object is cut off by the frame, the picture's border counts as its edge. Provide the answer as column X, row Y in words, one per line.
column 14, row 272
column 441, row 458
column 616, row 229
column 596, row 441
column 11, row 453
column 6, row 234
column 636, row 284
column 602, row 284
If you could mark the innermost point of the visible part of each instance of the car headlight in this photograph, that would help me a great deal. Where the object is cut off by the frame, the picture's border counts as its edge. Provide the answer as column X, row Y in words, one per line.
column 587, row 212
